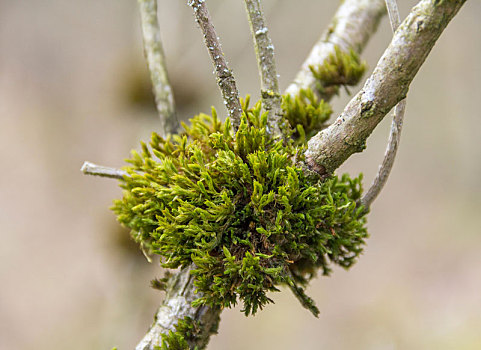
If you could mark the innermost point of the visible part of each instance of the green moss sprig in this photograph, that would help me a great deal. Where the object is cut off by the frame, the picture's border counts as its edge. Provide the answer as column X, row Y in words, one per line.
column 186, row 331
column 241, row 209
column 306, row 113
column 340, row 69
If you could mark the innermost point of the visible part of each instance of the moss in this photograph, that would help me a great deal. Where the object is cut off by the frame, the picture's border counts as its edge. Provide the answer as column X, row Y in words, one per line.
column 306, row 113
column 161, row 283
column 368, row 109
column 269, row 94
column 340, row 69
column 241, row 208
column 186, row 332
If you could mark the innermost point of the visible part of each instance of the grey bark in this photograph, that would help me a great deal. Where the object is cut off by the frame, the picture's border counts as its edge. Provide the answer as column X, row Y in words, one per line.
column 351, row 27
column 154, row 55
column 271, row 96
column 225, row 78
column 176, row 306
column 396, row 128
column 388, row 84
column 89, row 168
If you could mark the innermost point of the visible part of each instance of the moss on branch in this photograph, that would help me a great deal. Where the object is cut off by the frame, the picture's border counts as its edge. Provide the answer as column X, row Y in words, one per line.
column 185, row 336
column 306, row 113
column 339, row 69
column 387, row 85
column 240, row 208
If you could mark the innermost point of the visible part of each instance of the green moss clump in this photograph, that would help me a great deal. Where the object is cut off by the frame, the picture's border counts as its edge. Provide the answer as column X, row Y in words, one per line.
column 306, row 113
column 340, row 69
column 241, row 208
column 186, row 331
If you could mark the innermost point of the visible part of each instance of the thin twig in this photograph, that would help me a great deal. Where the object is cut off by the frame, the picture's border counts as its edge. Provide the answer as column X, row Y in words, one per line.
column 387, row 86
column 225, row 78
column 393, row 12
column 350, row 29
column 154, row 54
column 271, row 96
column 99, row 170
column 396, row 128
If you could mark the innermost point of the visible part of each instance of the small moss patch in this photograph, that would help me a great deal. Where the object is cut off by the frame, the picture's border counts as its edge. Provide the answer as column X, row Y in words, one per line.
column 306, row 113
column 186, row 331
column 340, row 69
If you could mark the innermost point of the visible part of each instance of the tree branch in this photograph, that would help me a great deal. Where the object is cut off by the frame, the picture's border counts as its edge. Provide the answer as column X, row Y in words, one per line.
column 387, row 85
column 225, row 78
column 98, row 170
column 351, row 27
column 271, row 97
column 176, row 306
column 396, row 128
column 154, row 54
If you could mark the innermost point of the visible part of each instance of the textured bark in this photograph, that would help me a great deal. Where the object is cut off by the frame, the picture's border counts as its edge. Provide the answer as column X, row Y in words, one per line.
column 351, row 27
column 396, row 128
column 154, row 54
column 176, row 306
column 271, row 96
column 388, row 84
column 225, row 78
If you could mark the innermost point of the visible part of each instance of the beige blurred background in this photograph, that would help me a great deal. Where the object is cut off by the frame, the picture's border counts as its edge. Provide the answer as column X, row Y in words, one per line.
column 73, row 87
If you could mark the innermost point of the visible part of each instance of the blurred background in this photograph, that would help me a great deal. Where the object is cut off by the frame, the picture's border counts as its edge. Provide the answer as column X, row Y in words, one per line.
column 74, row 87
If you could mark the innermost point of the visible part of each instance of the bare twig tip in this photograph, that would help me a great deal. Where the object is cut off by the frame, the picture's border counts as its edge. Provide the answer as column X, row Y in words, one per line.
column 89, row 168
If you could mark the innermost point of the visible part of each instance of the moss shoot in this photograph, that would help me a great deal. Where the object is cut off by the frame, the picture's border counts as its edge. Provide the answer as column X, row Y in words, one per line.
column 340, row 69
column 306, row 113
column 186, row 333
column 241, row 209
